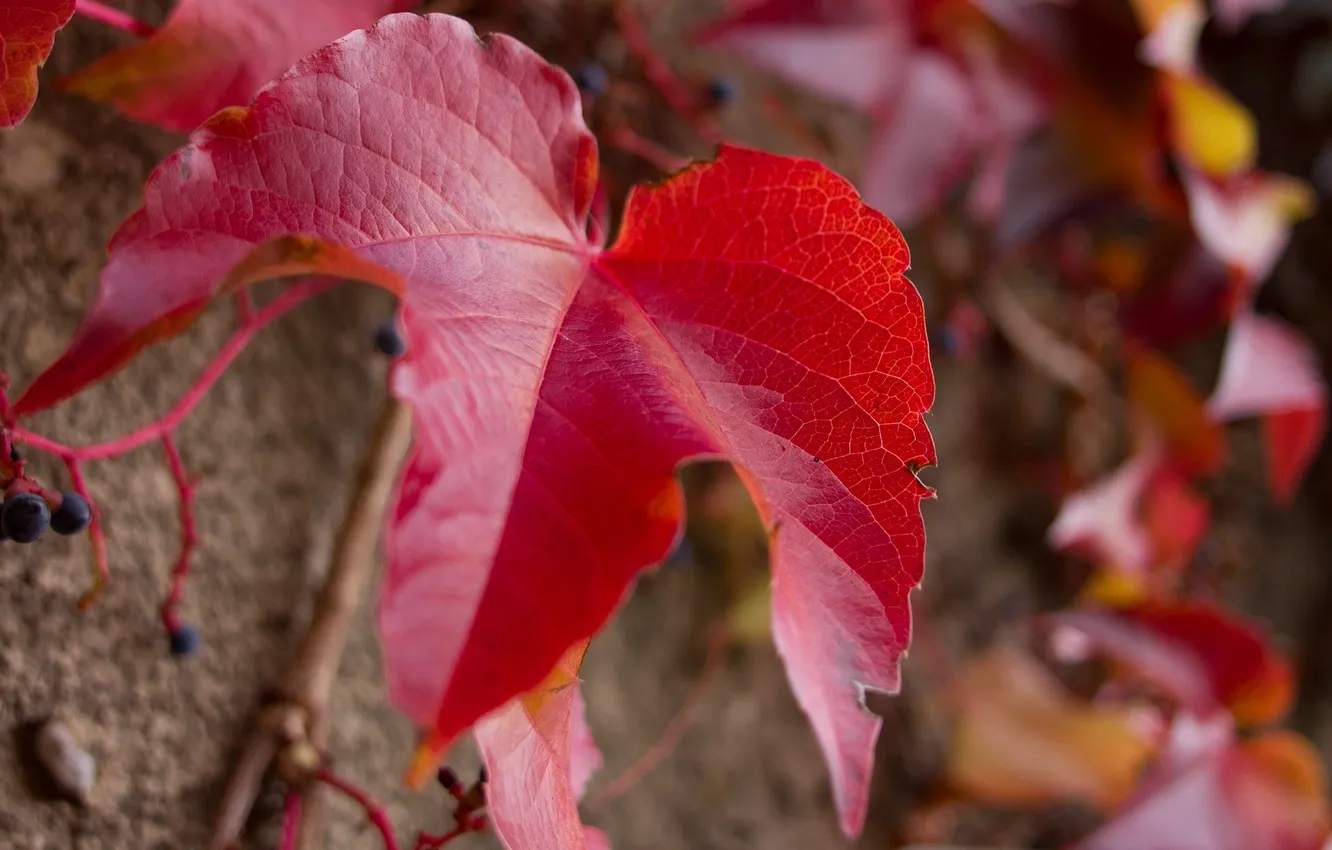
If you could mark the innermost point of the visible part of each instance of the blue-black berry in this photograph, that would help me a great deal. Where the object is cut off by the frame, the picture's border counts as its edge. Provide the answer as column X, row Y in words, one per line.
column 185, row 641
column 483, row 776
column 388, row 341
column 72, row 516
column 591, row 78
column 25, row 517
column 722, row 90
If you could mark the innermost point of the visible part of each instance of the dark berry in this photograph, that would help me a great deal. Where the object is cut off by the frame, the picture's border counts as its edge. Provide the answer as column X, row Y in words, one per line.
column 448, row 778
column 14, row 455
column 25, row 517
column 682, row 555
column 72, row 516
column 591, row 78
column 388, row 341
column 185, row 641
column 483, row 776
column 722, row 90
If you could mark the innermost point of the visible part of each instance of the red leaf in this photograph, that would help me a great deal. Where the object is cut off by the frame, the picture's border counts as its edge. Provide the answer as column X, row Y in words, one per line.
column 212, row 54
column 540, row 756
column 1199, row 654
column 753, row 308
column 1292, row 438
column 1270, row 371
column 27, row 34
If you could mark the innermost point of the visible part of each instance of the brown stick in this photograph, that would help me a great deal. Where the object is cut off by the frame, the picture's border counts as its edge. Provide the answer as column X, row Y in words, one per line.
column 296, row 721
column 1042, row 347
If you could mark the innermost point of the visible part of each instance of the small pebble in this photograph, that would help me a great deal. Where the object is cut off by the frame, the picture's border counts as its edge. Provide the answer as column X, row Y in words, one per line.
column 73, row 768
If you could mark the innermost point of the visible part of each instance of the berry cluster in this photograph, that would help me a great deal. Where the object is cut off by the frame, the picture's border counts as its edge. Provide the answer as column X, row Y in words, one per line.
column 29, row 510
column 469, row 814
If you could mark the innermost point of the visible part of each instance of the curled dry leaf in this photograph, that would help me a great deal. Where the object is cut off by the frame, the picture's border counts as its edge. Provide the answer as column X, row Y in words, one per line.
column 27, row 34
column 753, row 309
column 1021, row 739
column 211, row 54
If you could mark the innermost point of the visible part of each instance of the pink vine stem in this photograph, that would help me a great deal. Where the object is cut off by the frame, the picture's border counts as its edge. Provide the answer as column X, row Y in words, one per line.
column 425, row 841
column 291, row 819
column 373, row 810
column 154, row 431
column 658, row 71
column 115, row 18
column 163, row 430
column 647, row 150
column 188, row 535
column 685, row 717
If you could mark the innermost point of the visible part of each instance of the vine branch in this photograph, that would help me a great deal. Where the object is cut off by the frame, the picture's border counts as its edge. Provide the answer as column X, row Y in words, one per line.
column 295, row 720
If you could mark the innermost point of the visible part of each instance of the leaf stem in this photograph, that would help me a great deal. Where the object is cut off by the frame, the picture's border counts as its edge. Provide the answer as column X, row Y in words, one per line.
column 115, row 18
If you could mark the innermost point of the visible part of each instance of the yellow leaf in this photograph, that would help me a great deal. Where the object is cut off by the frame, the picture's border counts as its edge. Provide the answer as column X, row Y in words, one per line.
column 1160, row 392
column 1022, row 740
column 1113, row 588
column 1209, row 129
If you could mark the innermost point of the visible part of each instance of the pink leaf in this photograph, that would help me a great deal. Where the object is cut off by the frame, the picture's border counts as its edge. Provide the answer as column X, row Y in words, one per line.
column 211, row 54
column 27, row 34
column 851, row 50
column 753, row 308
column 1267, row 367
column 1270, row 371
column 540, row 754
column 939, row 102
column 1103, row 519
column 909, row 172
column 1246, row 220
column 1213, row 793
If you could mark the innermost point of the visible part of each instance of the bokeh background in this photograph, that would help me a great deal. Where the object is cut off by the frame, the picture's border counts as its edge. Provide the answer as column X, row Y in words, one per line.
column 278, row 439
